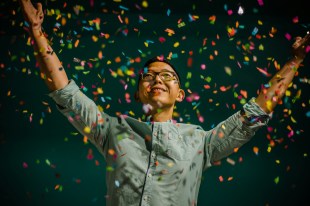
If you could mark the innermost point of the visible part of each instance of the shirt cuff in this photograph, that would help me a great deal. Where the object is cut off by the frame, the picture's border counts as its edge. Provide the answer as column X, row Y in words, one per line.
column 252, row 113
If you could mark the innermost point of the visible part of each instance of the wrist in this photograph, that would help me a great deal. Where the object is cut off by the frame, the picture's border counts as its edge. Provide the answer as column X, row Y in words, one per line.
column 35, row 32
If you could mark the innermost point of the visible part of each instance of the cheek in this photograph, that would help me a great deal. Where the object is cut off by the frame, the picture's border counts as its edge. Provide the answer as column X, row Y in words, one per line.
column 144, row 89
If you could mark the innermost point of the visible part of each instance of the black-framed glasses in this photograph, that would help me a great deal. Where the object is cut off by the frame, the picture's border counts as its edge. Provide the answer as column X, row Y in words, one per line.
column 164, row 75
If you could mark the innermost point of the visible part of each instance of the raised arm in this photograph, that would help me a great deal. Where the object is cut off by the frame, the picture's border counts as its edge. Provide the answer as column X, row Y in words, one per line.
column 51, row 68
column 271, row 95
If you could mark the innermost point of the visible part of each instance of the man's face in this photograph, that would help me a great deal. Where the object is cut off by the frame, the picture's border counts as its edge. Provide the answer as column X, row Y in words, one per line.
column 159, row 93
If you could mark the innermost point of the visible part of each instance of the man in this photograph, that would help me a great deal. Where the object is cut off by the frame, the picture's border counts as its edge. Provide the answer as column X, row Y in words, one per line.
column 158, row 162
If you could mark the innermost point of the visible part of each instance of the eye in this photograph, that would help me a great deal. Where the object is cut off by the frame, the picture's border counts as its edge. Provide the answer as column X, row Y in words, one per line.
column 148, row 76
column 166, row 75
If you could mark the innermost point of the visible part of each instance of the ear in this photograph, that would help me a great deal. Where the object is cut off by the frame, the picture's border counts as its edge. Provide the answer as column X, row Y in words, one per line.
column 180, row 96
column 136, row 96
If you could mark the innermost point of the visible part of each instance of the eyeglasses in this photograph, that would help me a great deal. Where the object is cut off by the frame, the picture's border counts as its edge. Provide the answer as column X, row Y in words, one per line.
column 165, row 76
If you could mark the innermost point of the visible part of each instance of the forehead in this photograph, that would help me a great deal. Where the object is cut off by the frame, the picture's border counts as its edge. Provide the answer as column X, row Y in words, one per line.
column 159, row 66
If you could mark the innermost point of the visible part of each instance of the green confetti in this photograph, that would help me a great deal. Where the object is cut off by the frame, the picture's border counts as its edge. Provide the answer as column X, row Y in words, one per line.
column 276, row 180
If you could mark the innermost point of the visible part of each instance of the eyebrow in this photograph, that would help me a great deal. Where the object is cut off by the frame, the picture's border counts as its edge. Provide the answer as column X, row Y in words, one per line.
column 163, row 70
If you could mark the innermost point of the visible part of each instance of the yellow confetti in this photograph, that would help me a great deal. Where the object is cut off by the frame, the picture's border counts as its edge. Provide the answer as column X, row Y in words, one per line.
column 100, row 90
column 293, row 120
column 176, row 44
column 87, row 129
column 145, row 4
column 261, row 47
column 228, row 70
column 94, row 38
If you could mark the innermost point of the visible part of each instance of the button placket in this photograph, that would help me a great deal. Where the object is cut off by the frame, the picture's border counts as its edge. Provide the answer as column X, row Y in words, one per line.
column 169, row 135
column 153, row 155
column 146, row 199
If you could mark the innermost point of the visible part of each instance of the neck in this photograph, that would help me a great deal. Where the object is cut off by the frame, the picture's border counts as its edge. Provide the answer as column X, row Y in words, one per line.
column 162, row 114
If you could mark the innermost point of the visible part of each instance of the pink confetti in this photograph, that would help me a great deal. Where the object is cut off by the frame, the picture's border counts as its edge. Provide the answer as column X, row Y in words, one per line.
column 221, row 178
column 91, row 2
column 120, row 18
column 162, row 39
column 193, row 97
column 260, row 2
column 290, row 134
column 25, row 165
column 90, row 156
column 288, row 36
column 201, row 119
column 269, row 129
column 295, row 19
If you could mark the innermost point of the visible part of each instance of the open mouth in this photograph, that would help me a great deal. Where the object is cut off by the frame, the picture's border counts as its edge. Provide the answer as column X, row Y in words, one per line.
column 156, row 90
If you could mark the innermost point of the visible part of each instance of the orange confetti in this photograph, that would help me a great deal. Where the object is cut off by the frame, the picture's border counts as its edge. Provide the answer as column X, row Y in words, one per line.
column 117, row 59
column 244, row 93
column 76, row 43
column 169, row 31
column 100, row 55
column 255, row 150
column 221, row 134
column 111, row 152
column 263, row 72
column 206, row 86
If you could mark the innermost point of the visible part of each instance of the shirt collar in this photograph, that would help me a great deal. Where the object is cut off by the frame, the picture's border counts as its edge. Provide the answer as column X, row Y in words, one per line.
column 149, row 119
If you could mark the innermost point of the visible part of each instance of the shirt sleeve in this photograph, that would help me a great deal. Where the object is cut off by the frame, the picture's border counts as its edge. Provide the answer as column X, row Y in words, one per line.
column 234, row 132
column 83, row 114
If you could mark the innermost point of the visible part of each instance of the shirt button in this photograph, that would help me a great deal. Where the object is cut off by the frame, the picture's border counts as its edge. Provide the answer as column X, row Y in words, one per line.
column 153, row 155
column 145, row 198
column 149, row 175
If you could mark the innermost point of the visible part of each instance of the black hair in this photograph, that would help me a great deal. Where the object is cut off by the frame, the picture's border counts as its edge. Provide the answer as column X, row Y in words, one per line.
column 157, row 59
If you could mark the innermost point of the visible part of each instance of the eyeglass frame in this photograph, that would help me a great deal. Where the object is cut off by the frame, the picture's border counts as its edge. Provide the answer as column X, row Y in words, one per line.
column 158, row 73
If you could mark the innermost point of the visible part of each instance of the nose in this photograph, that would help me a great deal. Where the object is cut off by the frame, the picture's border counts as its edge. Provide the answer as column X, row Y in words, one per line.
column 157, row 79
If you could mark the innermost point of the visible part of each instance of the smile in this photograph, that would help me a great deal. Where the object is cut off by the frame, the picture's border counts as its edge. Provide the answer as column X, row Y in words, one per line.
column 157, row 90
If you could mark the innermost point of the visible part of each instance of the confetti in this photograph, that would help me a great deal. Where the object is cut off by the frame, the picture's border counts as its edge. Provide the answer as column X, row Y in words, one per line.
column 199, row 46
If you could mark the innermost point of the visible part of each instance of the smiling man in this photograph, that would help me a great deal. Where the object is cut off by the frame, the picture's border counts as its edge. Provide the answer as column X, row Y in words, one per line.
column 158, row 162
column 159, row 86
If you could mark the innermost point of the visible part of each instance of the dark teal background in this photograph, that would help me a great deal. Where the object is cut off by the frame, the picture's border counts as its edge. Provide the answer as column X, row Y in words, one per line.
column 44, row 161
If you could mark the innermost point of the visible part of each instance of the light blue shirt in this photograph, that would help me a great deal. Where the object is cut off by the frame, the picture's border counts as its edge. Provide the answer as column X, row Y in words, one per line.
column 156, row 163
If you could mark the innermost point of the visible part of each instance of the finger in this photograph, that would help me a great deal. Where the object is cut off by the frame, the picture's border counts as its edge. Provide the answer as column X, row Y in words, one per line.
column 297, row 42
column 298, row 38
column 39, row 10
column 39, row 7
column 26, row 6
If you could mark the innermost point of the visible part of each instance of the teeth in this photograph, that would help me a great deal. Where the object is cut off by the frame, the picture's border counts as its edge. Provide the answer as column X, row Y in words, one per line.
column 157, row 89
